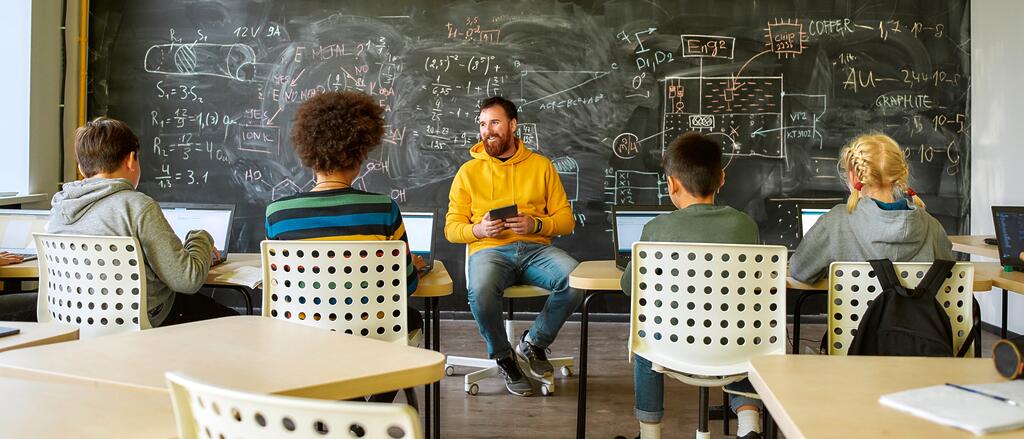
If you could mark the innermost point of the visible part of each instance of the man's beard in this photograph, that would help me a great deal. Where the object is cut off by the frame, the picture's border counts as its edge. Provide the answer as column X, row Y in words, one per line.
column 500, row 146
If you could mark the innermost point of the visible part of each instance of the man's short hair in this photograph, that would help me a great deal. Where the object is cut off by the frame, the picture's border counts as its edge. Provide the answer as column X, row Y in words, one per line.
column 696, row 161
column 334, row 131
column 507, row 105
column 102, row 144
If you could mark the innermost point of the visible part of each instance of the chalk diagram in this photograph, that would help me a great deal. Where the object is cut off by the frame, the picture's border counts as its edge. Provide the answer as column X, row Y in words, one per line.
column 233, row 61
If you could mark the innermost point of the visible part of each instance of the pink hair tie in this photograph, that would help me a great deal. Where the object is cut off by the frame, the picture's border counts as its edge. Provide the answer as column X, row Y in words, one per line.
column 858, row 186
column 911, row 193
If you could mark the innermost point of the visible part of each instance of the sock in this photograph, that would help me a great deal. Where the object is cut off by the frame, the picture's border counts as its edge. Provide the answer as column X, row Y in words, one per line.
column 747, row 421
column 650, row 431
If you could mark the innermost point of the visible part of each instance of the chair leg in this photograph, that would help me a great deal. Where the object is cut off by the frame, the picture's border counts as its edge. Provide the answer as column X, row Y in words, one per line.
column 726, row 411
column 410, row 398
column 702, row 418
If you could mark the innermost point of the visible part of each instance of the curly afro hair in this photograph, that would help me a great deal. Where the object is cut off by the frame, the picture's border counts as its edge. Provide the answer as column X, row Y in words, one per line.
column 335, row 130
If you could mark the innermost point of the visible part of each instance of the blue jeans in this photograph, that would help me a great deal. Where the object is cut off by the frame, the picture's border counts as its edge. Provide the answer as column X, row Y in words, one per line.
column 649, row 387
column 494, row 269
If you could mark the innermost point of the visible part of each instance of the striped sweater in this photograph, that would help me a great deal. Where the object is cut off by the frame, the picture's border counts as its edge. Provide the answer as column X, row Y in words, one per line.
column 341, row 215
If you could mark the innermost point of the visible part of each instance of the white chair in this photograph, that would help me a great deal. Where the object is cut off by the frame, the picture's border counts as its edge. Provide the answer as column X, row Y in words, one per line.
column 852, row 286
column 97, row 283
column 489, row 368
column 700, row 312
column 206, row 411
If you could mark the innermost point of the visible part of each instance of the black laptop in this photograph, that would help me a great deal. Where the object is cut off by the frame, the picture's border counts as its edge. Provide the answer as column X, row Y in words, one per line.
column 1009, row 222
column 420, row 230
column 214, row 218
column 627, row 224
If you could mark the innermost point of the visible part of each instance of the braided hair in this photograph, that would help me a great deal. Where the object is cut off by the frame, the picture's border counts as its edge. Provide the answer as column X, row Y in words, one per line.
column 876, row 160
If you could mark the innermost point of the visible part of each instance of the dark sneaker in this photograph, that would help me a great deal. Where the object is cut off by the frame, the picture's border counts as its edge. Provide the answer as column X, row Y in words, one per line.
column 515, row 381
column 535, row 357
column 750, row 435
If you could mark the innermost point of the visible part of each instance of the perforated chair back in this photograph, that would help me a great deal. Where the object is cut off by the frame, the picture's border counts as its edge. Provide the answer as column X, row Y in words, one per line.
column 97, row 283
column 206, row 411
column 357, row 287
column 706, row 309
column 852, row 286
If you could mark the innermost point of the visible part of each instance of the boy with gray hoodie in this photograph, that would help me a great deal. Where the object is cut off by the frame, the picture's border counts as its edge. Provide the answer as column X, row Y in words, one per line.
column 107, row 204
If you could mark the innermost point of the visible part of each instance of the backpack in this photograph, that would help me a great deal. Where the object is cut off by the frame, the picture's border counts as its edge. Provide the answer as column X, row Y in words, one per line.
column 906, row 322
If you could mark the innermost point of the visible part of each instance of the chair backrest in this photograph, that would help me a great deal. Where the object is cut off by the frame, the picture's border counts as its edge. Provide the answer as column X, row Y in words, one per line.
column 357, row 287
column 512, row 292
column 852, row 286
column 95, row 282
column 706, row 309
column 204, row 411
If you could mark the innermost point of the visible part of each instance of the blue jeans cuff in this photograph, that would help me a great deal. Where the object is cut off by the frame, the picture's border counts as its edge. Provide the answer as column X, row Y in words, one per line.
column 649, row 417
column 737, row 401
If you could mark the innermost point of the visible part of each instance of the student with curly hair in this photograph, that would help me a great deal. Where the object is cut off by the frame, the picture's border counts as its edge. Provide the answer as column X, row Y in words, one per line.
column 332, row 133
column 883, row 218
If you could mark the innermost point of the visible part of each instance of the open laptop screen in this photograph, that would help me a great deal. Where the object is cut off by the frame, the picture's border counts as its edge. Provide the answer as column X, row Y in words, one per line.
column 214, row 218
column 419, row 229
column 17, row 227
column 809, row 216
column 629, row 225
column 1009, row 222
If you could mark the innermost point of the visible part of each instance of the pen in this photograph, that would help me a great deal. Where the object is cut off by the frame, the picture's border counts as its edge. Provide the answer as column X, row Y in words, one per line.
column 995, row 397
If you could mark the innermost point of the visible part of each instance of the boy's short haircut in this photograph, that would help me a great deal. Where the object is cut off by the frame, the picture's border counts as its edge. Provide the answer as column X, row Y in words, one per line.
column 696, row 161
column 102, row 144
column 510, row 108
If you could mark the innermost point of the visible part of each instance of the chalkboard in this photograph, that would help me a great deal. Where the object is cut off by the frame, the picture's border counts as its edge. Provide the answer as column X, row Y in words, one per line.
column 210, row 87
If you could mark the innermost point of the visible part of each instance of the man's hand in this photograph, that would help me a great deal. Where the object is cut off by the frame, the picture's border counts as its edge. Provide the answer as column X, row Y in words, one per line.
column 487, row 228
column 216, row 254
column 522, row 224
column 8, row 259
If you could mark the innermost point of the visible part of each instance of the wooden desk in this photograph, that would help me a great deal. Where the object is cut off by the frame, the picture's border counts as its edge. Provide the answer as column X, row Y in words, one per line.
column 975, row 245
column 37, row 334
column 39, row 407
column 603, row 276
column 254, row 354
column 795, row 392
column 17, row 200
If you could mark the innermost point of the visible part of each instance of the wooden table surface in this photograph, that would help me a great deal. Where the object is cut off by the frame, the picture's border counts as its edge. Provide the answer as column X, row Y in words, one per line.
column 36, row 334
column 40, row 407
column 821, row 396
column 249, row 353
column 975, row 245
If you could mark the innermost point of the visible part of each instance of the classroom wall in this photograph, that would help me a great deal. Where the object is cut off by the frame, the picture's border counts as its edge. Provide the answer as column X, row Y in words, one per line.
column 997, row 143
column 44, row 99
column 13, row 117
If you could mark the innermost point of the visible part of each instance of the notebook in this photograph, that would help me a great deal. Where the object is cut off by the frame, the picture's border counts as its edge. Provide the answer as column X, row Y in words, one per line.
column 1009, row 222
column 963, row 409
column 16, row 229
column 214, row 218
column 419, row 230
column 627, row 224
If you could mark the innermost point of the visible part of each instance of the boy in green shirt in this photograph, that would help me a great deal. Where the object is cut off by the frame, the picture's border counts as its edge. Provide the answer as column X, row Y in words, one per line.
column 693, row 167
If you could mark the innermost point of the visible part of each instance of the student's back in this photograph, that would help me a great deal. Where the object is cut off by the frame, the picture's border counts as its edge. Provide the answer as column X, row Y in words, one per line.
column 706, row 223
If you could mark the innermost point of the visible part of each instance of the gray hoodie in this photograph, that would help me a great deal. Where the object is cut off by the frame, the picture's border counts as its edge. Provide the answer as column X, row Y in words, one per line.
column 869, row 233
column 112, row 207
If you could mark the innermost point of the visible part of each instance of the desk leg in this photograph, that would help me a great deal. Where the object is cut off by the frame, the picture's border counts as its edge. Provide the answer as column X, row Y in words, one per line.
column 1002, row 331
column 245, row 291
column 428, row 342
column 581, row 398
column 436, row 310
column 797, row 313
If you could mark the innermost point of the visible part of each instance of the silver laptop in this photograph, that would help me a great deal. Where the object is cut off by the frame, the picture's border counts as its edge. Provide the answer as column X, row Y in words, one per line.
column 809, row 216
column 627, row 224
column 214, row 218
column 16, row 229
column 419, row 230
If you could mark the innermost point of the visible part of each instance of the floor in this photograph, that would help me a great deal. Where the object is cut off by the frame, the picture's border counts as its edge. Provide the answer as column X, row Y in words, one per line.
column 496, row 413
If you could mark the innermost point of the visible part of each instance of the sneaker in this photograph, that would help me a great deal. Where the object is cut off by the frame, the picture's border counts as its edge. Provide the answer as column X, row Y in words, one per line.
column 535, row 357
column 515, row 381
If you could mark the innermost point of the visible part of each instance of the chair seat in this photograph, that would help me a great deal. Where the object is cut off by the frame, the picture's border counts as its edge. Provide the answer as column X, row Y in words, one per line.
column 698, row 380
column 521, row 291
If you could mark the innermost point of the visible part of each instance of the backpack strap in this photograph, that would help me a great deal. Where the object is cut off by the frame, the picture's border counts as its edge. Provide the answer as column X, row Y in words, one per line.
column 966, row 347
column 937, row 274
column 886, row 275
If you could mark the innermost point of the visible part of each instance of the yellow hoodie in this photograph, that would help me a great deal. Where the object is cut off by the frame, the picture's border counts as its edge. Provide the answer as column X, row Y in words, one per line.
column 526, row 179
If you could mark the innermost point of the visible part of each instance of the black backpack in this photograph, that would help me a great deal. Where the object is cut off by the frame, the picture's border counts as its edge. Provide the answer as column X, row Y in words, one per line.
column 904, row 322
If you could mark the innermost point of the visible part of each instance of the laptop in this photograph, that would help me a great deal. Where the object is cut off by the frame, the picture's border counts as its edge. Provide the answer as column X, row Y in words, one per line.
column 810, row 213
column 1009, row 222
column 419, row 230
column 627, row 224
column 214, row 218
column 16, row 229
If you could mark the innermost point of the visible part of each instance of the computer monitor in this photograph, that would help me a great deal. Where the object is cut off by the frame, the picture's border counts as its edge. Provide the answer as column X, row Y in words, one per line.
column 214, row 218
column 1009, row 222
column 17, row 227
column 627, row 224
